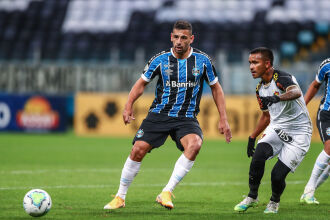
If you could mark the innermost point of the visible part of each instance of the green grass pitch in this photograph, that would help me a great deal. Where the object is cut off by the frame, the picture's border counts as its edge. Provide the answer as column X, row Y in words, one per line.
column 82, row 173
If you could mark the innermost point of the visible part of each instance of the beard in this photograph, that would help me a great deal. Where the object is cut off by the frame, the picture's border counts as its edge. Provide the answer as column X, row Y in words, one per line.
column 180, row 50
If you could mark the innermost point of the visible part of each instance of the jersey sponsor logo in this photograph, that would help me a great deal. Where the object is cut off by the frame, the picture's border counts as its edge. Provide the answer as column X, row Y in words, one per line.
column 169, row 72
column 195, row 71
column 328, row 131
column 283, row 136
column 181, row 84
column 168, row 65
column 140, row 133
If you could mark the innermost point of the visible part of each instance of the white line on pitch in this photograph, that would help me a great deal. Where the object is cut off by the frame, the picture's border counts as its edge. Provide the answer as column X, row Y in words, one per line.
column 102, row 170
column 138, row 185
column 91, row 170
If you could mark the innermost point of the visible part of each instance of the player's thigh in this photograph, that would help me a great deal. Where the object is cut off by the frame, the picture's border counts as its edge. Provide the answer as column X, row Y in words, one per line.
column 188, row 128
column 271, row 137
column 323, row 125
column 294, row 152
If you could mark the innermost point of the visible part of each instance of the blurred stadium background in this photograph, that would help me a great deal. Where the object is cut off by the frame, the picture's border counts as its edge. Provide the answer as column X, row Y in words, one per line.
column 69, row 64
column 54, row 53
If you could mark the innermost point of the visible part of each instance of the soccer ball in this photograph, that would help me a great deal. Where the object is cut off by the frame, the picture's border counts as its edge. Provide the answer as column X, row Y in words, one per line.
column 37, row 202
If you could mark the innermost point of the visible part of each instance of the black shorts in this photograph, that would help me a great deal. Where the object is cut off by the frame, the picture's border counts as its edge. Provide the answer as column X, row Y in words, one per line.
column 323, row 124
column 155, row 129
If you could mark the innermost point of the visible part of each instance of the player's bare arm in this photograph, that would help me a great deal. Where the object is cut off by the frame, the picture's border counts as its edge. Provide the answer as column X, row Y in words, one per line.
column 219, row 100
column 136, row 91
column 262, row 124
column 312, row 90
column 292, row 92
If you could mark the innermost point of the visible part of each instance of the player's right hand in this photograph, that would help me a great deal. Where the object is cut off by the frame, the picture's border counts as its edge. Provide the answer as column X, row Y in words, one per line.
column 250, row 146
column 128, row 116
column 224, row 128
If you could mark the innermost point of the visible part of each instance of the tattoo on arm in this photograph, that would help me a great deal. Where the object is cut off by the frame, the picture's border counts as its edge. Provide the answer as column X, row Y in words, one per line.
column 292, row 92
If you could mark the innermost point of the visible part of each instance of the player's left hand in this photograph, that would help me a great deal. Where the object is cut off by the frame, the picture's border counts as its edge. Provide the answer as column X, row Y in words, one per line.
column 269, row 100
column 225, row 129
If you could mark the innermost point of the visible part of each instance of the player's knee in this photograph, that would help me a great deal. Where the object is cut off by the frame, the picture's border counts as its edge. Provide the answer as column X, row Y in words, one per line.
column 138, row 151
column 193, row 148
column 327, row 147
column 195, row 145
column 263, row 152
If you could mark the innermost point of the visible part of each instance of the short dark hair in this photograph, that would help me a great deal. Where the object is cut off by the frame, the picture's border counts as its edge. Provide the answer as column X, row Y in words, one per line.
column 265, row 52
column 183, row 25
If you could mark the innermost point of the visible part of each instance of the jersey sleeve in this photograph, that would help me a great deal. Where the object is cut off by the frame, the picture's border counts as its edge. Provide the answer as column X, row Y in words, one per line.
column 151, row 70
column 283, row 81
column 262, row 107
column 211, row 74
column 324, row 69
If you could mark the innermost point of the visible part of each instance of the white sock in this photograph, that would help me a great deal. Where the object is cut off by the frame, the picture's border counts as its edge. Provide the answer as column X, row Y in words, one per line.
column 323, row 176
column 321, row 163
column 181, row 168
column 130, row 170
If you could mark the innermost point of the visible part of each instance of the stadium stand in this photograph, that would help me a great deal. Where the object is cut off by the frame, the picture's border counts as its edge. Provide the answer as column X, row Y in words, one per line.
column 81, row 30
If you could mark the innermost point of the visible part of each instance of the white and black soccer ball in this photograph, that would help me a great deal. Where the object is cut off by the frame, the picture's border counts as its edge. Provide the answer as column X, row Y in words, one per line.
column 37, row 202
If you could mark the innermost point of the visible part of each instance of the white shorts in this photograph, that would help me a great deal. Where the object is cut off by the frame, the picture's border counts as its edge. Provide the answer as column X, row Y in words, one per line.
column 290, row 148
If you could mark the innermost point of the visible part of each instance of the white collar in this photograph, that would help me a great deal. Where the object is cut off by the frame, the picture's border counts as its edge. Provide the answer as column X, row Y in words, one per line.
column 191, row 51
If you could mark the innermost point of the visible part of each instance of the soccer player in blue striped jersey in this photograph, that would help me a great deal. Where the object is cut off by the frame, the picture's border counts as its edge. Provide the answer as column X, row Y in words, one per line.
column 181, row 72
column 321, row 169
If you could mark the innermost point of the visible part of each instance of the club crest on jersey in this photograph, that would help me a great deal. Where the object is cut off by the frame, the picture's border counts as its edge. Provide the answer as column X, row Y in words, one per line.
column 328, row 131
column 276, row 93
column 195, row 71
column 140, row 133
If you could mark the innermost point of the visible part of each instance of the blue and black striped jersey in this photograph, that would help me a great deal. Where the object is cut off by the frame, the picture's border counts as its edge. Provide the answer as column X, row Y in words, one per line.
column 323, row 76
column 180, row 82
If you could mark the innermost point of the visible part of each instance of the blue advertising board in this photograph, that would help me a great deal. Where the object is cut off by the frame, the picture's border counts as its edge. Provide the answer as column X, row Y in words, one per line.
column 32, row 113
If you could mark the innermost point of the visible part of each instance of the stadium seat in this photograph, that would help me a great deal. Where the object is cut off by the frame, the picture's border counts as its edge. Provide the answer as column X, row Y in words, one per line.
column 305, row 37
column 46, row 25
